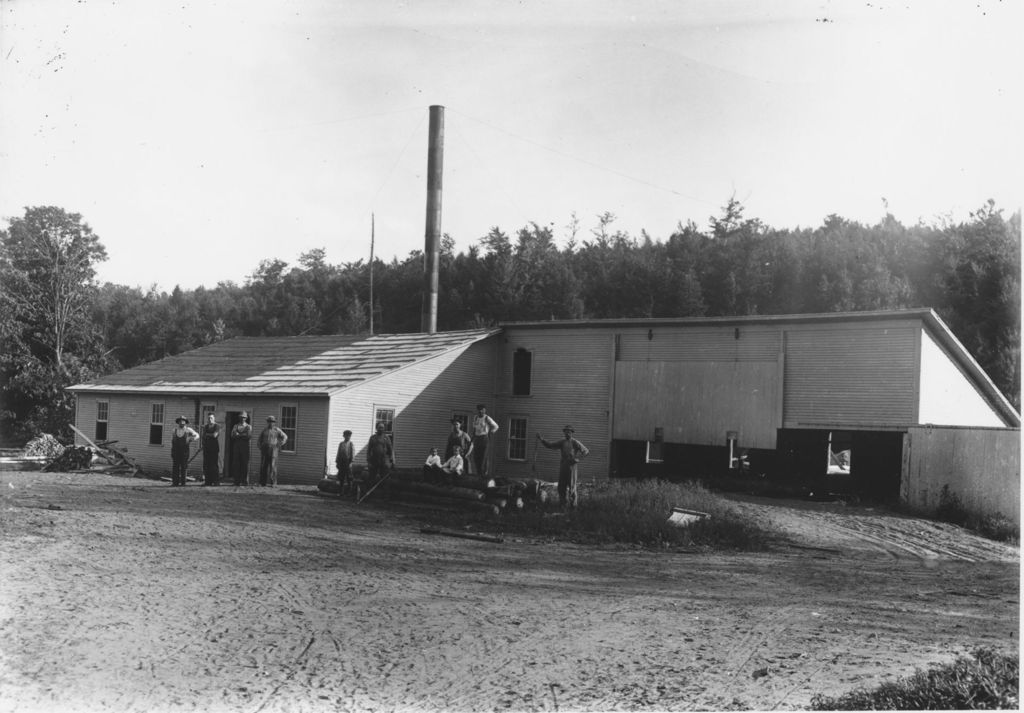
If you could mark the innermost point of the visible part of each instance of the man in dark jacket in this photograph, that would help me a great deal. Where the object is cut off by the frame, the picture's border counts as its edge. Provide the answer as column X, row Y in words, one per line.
column 380, row 454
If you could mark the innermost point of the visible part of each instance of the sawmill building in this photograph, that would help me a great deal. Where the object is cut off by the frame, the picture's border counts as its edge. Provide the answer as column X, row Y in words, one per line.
column 784, row 393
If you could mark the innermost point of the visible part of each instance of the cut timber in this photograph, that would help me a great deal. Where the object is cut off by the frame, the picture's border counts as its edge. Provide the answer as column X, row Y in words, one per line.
column 445, row 503
column 441, row 491
column 463, row 535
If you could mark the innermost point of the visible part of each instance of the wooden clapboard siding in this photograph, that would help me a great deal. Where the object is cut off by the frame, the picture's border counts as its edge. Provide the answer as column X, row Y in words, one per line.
column 129, row 421
column 851, row 375
column 980, row 466
column 423, row 396
column 947, row 396
column 697, row 402
column 695, row 343
column 571, row 384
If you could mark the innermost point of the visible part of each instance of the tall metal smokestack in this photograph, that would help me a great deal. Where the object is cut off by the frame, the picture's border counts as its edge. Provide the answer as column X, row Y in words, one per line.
column 432, row 247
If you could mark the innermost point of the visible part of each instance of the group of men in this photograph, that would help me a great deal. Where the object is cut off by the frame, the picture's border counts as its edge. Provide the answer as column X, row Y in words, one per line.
column 460, row 447
column 270, row 441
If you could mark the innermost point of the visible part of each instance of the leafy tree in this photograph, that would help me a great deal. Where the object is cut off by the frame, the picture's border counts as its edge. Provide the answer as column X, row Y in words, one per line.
column 47, row 288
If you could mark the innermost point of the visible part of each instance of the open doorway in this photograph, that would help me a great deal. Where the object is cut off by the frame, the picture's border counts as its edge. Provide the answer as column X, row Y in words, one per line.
column 231, row 419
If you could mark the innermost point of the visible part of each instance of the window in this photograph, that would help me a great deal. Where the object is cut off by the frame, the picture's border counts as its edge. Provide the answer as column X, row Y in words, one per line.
column 522, row 366
column 731, row 442
column 654, row 452
column 517, row 439
column 102, row 416
column 289, row 420
column 387, row 417
column 156, row 425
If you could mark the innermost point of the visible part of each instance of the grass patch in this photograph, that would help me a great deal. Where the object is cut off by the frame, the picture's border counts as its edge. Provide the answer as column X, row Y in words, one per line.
column 984, row 680
column 631, row 512
column 994, row 527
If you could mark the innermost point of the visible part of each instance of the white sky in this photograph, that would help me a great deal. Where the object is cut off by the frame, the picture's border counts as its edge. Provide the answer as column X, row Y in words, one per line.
column 198, row 138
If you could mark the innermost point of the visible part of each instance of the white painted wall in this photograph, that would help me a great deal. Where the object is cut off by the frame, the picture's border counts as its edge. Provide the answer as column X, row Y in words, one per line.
column 947, row 397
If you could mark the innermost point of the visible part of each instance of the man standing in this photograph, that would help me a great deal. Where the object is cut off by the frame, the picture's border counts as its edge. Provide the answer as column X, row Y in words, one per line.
column 571, row 451
column 380, row 454
column 270, row 442
column 211, row 450
column 343, row 460
column 181, row 437
column 459, row 438
column 483, row 427
column 241, row 435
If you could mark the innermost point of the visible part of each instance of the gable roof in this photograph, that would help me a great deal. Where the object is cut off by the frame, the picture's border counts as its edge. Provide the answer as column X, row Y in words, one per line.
column 283, row 365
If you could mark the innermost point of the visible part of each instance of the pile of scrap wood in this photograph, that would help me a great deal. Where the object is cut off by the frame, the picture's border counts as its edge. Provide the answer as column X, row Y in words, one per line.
column 102, row 457
column 492, row 496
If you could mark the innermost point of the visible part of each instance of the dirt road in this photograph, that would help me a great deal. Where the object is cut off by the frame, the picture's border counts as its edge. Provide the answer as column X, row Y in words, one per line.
column 127, row 595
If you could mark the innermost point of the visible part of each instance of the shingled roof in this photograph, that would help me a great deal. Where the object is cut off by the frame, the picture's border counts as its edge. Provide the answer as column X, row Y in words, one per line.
column 286, row 365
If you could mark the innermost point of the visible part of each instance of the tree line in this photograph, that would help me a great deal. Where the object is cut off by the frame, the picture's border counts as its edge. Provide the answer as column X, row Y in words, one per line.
column 61, row 327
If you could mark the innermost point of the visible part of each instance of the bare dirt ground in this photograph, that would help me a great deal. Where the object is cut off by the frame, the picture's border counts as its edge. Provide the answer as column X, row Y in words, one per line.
column 127, row 595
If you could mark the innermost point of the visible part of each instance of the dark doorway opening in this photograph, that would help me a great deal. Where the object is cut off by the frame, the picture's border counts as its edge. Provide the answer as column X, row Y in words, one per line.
column 231, row 419
column 867, row 464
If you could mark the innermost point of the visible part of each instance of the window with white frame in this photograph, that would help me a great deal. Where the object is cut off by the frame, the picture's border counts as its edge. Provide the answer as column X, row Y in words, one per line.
column 385, row 415
column 102, row 417
column 156, row 425
column 289, row 424
column 517, row 438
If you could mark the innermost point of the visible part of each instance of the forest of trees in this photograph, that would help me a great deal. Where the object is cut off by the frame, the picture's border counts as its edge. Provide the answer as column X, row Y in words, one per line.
column 60, row 327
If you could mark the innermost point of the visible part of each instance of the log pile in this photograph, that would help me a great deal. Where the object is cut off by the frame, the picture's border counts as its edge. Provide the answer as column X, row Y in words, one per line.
column 493, row 496
column 102, row 457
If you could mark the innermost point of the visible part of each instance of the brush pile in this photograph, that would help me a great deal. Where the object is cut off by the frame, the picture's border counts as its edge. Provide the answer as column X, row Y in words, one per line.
column 492, row 496
column 102, row 457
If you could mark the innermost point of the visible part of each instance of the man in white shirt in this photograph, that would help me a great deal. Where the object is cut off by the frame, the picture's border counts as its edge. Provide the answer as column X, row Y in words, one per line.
column 483, row 427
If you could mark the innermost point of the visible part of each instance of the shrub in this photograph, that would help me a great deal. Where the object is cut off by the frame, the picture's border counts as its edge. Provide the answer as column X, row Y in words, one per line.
column 984, row 680
column 950, row 509
column 637, row 512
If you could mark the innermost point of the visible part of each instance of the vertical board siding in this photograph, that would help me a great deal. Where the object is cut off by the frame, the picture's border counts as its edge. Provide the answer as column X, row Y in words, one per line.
column 129, row 416
column 570, row 384
column 697, row 402
column 753, row 343
column 423, row 396
column 980, row 466
column 852, row 376
column 947, row 397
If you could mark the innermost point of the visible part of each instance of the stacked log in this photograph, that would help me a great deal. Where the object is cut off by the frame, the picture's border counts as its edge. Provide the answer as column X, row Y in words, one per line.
column 485, row 495
column 102, row 457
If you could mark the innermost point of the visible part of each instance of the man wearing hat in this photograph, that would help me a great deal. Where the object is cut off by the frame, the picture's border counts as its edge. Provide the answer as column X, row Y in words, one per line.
column 270, row 442
column 181, row 436
column 343, row 459
column 380, row 455
column 483, row 427
column 571, row 451
column 241, row 436
column 459, row 438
